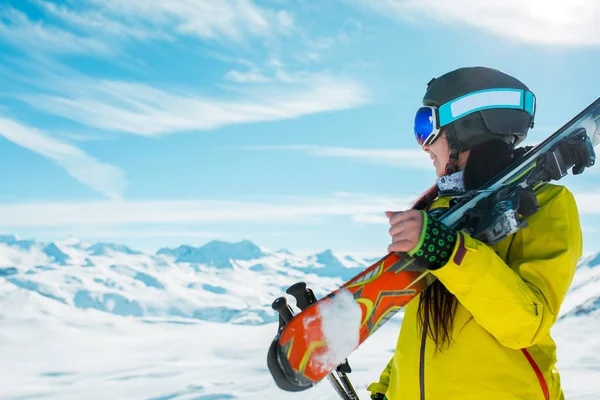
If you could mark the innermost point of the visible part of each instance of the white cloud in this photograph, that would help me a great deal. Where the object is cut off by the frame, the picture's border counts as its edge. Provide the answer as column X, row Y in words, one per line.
column 206, row 19
column 573, row 22
column 91, row 26
column 145, row 110
column 108, row 218
column 588, row 202
column 18, row 30
column 278, row 73
column 392, row 157
column 104, row 178
column 139, row 107
column 117, row 213
column 371, row 219
column 253, row 75
column 285, row 19
column 111, row 234
column 93, row 20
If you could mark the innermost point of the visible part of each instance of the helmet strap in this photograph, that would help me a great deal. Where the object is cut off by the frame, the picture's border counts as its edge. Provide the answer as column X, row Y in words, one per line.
column 455, row 149
column 452, row 165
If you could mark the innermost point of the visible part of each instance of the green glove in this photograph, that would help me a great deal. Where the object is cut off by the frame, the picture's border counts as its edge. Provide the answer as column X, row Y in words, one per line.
column 436, row 243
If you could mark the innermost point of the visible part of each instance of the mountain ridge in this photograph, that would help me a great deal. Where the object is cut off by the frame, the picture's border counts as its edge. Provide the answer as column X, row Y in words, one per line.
column 228, row 282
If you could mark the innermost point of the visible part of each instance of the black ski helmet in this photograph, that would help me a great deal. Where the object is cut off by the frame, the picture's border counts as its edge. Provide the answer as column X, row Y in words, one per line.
column 510, row 125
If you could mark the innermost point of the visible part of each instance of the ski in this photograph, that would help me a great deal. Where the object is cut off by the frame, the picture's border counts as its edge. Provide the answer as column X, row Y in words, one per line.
column 312, row 344
column 304, row 298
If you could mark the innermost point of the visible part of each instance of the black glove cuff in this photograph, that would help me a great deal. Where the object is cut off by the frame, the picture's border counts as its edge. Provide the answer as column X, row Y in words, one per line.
column 378, row 396
column 438, row 244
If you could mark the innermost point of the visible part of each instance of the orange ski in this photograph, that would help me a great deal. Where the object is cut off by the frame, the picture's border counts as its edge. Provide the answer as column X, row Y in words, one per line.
column 357, row 309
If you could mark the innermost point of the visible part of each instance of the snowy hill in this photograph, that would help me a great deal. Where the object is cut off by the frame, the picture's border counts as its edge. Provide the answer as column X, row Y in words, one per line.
column 219, row 282
column 195, row 322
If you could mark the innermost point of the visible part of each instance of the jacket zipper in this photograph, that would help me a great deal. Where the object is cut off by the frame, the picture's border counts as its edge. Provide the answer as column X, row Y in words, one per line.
column 422, row 361
column 538, row 373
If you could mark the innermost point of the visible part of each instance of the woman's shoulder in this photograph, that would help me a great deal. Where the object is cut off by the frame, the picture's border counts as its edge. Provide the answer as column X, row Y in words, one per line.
column 553, row 193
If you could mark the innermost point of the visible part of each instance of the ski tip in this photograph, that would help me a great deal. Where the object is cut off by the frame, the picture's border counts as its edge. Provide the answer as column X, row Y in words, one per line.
column 283, row 381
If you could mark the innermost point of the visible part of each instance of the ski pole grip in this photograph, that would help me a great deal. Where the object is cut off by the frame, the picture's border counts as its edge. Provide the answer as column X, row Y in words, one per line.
column 299, row 292
column 281, row 306
column 311, row 296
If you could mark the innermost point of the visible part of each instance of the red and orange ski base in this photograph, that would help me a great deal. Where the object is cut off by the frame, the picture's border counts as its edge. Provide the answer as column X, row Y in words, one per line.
column 300, row 355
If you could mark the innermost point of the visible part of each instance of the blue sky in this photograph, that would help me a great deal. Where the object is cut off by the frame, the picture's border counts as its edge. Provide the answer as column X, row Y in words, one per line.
column 288, row 123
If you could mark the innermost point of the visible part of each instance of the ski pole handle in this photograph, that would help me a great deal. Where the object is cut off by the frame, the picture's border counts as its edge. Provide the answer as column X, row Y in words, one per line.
column 300, row 293
column 282, row 307
column 311, row 296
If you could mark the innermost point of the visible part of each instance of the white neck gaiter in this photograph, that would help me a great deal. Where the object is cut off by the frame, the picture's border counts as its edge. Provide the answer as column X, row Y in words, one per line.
column 452, row 183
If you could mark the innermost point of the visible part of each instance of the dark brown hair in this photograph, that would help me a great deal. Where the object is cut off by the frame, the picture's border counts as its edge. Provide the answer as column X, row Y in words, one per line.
column 437, row 305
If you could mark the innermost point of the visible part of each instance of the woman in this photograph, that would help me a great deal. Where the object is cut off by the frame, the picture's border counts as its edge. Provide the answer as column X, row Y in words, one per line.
column 482, row 329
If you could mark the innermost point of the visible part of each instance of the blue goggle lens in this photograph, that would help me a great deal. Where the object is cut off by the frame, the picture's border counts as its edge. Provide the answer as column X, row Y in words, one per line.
column 424, row 124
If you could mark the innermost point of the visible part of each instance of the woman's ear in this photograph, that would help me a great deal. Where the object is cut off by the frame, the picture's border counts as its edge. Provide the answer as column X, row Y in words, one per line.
column 486, row 160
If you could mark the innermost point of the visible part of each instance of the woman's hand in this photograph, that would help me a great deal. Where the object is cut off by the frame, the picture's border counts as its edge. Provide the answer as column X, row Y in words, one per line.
column 405, row 229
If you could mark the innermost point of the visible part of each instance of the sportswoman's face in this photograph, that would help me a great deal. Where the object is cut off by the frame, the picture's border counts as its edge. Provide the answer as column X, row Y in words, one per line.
column 439, row 151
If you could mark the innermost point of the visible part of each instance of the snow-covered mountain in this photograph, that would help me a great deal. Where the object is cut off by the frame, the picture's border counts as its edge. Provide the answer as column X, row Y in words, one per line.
column 219, row 281
column 217, row 253
column 82, row 320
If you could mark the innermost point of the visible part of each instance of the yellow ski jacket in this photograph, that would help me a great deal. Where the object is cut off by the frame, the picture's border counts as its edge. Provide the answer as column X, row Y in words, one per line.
column 509, row 296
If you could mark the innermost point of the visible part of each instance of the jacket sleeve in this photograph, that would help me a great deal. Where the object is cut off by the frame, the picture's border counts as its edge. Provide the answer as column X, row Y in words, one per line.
column 384, row 380
column 518, row 301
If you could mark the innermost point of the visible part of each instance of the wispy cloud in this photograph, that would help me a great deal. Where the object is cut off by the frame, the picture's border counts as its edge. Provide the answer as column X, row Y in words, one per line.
column 391, row 157
column 97, row 26
column 102, row 177
column 145, row 110
column 371, row 219
column 252, row 75
column 119, row 213
column 111, row 234
column 588, row 202
column 271, row 92
column 206, row 19
column 573, row 22
column 111, row 216
column 273, row 71
column 215, row 20
column 90, row 20
column 38, row 38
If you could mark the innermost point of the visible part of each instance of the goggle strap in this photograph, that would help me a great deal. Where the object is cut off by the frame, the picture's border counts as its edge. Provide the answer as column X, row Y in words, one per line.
column 486, row 99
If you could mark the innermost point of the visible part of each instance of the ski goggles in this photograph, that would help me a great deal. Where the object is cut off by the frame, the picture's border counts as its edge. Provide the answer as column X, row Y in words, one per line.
column 429, row 120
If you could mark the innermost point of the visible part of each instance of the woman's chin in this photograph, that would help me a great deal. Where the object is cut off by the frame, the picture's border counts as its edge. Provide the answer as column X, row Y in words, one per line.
column 439, row 171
